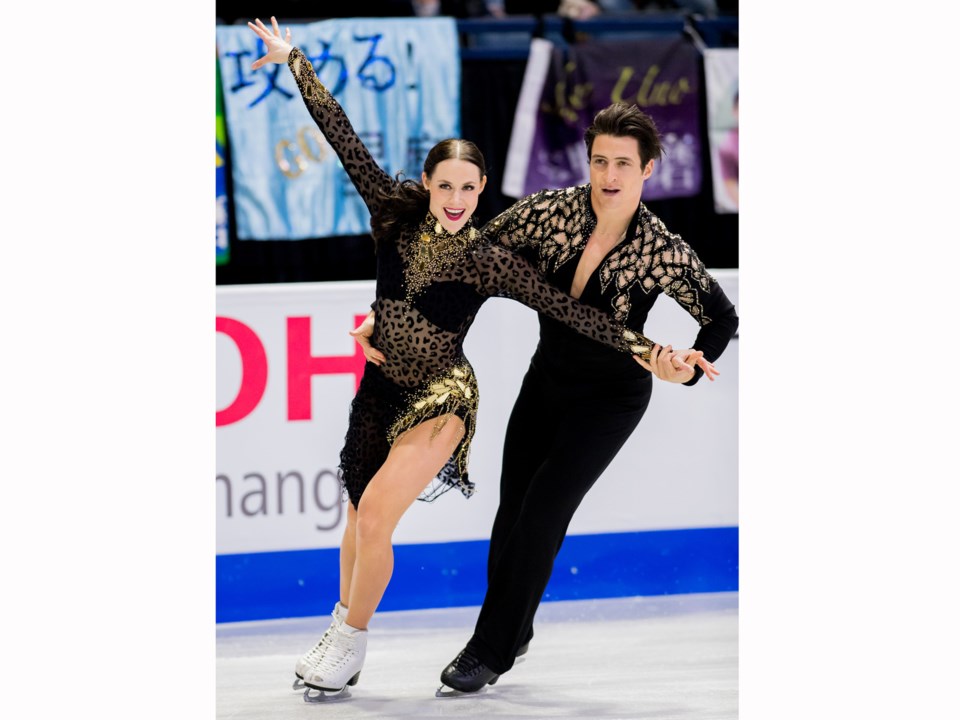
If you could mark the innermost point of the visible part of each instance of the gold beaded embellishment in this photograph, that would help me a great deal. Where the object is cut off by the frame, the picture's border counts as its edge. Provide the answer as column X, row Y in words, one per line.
column 447, row 394
column 434, row 250
column 314, row 92
column 632, row 341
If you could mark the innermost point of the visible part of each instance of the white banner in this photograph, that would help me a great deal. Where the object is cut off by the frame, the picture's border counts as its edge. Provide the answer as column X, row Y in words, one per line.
column 286, row 373
column 722, row 75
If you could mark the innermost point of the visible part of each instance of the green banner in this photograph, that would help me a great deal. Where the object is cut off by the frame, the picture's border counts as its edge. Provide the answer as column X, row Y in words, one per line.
column 223, row 242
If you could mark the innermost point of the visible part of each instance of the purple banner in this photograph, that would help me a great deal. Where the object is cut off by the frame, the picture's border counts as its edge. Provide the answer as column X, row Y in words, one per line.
column 660, row 76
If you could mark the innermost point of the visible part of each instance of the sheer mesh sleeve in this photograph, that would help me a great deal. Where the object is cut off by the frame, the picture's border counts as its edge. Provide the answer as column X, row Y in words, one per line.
column 501, row 272
column 367, row 176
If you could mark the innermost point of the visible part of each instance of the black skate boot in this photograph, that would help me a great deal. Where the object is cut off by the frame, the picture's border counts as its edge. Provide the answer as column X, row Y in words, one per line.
column 467, row 674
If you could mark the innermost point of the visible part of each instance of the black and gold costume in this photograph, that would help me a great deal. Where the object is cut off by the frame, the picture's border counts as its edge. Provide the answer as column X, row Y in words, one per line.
column 429, row 287
column 579, row 401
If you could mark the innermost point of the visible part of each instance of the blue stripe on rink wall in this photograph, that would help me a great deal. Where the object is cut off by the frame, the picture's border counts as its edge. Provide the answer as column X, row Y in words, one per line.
column 301, row 583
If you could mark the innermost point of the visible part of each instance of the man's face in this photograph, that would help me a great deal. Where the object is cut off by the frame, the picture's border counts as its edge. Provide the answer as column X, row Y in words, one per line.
column 617, row 173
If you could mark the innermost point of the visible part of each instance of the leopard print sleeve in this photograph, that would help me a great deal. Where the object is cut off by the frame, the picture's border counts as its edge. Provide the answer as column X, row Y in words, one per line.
column 501, row 272
column 367, row 176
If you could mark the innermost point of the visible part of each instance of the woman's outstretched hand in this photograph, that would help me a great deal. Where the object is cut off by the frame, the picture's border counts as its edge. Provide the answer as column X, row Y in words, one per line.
column 278, row 48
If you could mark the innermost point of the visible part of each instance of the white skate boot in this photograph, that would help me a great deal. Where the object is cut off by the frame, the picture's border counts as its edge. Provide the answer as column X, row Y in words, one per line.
column 339, row 665
column 312, row 656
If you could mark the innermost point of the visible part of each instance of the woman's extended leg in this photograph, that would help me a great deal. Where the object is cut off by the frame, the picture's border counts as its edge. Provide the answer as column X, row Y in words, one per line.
column 348, row 554
column 414, row 460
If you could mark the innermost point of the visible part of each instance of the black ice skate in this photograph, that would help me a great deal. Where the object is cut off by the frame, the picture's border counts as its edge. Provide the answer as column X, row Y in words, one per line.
column 466, row 674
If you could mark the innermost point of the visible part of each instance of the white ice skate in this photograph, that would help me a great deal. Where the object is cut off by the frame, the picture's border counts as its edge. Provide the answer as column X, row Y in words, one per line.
column 312, row 656
column 339, row 665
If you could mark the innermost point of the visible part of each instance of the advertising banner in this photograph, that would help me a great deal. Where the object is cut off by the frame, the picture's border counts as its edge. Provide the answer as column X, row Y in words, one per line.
column 398, row 80
column 287, row 371
column 663, row 518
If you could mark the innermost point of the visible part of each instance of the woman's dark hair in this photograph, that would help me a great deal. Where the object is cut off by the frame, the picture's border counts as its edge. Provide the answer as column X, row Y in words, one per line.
column 408, row 200
column 622, row 120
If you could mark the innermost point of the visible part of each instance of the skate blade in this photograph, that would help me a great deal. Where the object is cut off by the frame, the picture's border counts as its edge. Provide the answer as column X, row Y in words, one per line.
column 298, row 684
column 314, row 694
column 448, row 692
column 317, row 697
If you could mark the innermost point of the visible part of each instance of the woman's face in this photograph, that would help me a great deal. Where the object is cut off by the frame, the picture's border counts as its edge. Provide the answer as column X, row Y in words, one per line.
column 455, row 188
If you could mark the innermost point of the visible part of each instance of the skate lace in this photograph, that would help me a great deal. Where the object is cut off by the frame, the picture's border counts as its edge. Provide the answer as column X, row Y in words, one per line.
column 340, row 648
column 467, row 663
column 316, row 652
column 313, row 655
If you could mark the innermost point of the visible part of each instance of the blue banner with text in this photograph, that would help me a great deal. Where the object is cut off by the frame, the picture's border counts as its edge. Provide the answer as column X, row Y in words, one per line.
column 398, row 80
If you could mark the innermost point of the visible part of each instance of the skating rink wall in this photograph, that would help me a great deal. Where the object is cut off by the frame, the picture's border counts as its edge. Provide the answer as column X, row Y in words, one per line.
column 661, row 520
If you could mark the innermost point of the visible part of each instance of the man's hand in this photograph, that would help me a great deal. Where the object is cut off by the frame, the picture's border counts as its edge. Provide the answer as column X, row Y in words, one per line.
column 695, row 357
column 676, row 366
column 362, row 334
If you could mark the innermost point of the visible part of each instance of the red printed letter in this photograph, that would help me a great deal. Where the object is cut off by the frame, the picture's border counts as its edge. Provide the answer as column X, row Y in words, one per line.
column 253, row 379
column 301, row 366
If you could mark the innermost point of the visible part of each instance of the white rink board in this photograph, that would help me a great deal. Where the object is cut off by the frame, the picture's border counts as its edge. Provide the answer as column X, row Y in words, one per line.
column 678, row 470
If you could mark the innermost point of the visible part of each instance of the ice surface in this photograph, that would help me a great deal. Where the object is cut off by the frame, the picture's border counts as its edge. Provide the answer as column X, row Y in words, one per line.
column 670, row 657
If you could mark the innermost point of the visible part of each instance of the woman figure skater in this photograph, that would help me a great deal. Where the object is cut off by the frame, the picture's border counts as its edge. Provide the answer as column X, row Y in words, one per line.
column 414, row 414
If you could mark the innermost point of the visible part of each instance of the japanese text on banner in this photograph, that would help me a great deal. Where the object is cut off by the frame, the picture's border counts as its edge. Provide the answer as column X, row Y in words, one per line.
column 397, row 79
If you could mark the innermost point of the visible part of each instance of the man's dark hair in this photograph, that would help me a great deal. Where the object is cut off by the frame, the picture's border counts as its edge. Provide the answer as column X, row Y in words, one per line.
column 622, row 120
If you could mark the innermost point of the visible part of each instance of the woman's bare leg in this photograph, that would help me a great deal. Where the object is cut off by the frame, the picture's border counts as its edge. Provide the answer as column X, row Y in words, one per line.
column 348, row 554
column 414, row 460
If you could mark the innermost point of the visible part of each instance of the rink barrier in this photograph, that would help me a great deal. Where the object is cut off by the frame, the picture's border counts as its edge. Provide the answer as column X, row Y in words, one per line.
column 305, row 583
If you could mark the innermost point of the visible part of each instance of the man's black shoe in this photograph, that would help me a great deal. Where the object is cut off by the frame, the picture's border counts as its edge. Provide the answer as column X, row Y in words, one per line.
column 467, row 674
